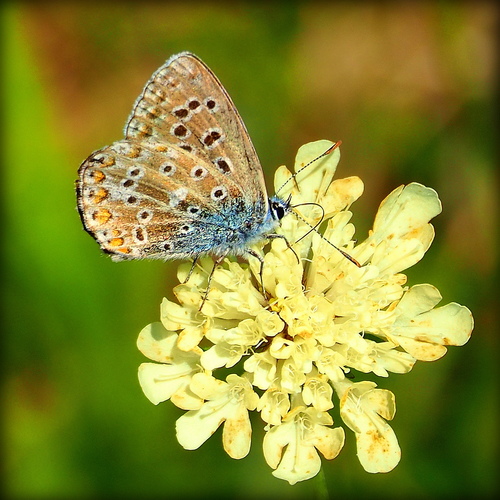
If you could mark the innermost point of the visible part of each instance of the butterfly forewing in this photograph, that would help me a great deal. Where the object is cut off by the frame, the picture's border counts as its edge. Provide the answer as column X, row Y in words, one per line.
column 185, row 104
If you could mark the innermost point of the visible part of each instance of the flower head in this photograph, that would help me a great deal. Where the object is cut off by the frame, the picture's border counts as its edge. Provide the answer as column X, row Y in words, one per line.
column 296, row 344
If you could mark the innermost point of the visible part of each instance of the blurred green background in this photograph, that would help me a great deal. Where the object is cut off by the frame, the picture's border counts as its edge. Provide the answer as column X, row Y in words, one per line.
column 409, row 87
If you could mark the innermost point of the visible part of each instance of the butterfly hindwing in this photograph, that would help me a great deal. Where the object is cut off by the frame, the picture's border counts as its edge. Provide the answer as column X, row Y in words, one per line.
column 143, row 200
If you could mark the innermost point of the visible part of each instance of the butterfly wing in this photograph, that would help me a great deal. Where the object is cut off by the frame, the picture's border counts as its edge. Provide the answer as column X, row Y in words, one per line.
column 144, row 200
column 186, row 179
column 185, row 104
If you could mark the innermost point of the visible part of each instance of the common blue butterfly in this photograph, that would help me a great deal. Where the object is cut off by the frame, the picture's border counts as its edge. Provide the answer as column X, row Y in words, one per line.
column 185, row 181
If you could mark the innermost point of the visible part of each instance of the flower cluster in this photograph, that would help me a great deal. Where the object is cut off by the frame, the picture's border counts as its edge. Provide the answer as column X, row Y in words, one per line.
column 296, row 347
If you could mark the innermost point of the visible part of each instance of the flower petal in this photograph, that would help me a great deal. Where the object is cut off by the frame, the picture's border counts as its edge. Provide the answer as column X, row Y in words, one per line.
column 341, row 194
column 313, row 182
column 157, row 343
column 196, row 426
column 364, row 408
column 406, row 209
column 422, row 331
column 162, row 382
column 401, row 228
column 170, row 380
column 237, row 433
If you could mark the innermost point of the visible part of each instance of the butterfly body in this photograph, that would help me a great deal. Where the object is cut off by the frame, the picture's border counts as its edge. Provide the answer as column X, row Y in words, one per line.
column 185, row 181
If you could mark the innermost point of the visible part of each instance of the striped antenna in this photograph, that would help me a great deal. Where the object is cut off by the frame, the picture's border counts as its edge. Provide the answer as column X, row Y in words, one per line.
column 314, row 228
column 334, row 146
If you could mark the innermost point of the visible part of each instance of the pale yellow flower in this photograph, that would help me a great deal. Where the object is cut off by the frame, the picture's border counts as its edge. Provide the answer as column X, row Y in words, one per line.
column 320, row 318
column 226, row 402
column 291, row 447
column 171, row 379
column 365, row 409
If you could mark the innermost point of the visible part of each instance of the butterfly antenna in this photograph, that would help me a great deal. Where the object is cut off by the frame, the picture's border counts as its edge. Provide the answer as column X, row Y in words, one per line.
column 327, row 152
column 314, row 228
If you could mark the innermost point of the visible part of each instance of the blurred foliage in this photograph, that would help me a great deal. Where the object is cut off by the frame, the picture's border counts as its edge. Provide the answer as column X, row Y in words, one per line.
column 407, row 86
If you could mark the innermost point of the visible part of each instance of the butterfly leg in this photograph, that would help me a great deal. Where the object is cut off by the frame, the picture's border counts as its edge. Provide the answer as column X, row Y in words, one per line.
column 253, row 253
column 195, row 261
column 274, row 236
column 217, row 261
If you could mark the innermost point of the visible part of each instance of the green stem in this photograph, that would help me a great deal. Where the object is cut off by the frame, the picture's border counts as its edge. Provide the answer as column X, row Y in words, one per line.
column 321, row 487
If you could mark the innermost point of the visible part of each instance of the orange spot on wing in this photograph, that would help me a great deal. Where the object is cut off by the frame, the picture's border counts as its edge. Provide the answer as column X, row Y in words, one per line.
column 116, row 242
column 108, row 161
column 98, row 176
column 100, row 195
column 102, row 216
column 124, row 249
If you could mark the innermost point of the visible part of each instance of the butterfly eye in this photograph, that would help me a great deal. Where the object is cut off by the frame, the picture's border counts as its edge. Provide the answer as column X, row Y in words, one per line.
column 102, row 216
column 180, row 112
column 278, row 210
column 96, row 176
column 213, row 137
column 140, row 234
column 179, row 130
column 97, row 195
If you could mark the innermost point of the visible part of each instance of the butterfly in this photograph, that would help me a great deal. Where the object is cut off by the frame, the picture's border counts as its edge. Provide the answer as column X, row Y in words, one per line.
column 185, row 181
